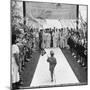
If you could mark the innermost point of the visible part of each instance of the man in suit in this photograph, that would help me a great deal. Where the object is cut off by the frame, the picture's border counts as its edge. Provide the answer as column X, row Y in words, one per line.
column 40, row 39
column 52, row 64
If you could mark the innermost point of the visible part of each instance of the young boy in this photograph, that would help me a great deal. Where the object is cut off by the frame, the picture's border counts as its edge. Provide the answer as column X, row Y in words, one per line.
column 52, row 64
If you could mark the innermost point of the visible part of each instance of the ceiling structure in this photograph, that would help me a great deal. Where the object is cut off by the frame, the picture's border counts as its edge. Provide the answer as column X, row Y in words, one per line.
column 40, row 10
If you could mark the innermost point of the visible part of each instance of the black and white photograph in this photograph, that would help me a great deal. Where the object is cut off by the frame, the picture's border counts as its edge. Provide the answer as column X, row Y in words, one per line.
column 49, row 44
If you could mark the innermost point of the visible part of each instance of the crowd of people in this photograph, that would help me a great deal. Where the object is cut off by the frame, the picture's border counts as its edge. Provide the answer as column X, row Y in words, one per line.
column 22, row 49
column 68, row 38
column 54, row 37
column 78, row 47
column 25, row 42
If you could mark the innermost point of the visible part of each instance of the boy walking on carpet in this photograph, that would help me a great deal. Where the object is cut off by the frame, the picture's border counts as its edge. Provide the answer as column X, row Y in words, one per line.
column 52, row 63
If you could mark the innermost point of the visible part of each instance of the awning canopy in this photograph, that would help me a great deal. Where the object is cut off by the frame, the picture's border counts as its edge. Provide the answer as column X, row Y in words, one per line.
column 50, row 10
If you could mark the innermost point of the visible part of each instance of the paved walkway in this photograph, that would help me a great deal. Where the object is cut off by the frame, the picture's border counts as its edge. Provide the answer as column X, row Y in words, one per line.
column 79, row 71
column 63, row 72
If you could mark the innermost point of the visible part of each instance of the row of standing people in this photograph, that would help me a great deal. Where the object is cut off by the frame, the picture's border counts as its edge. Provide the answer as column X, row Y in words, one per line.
column 78, row 48
column 54, row 39
column 21, row 53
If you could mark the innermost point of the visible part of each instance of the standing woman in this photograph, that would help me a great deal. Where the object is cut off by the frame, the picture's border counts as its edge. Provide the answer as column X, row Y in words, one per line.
column 49, row 40
column 51, row 44
column 54, row 39
column 59, row 37
column 37, row 39
column 43, row 39
column 65, row 37
column 15, row 63
column 46, row 35
column 62, row 40
column 34, row 35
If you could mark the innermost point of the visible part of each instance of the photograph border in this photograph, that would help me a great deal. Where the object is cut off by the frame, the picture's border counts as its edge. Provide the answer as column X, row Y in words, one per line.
column 46, row 86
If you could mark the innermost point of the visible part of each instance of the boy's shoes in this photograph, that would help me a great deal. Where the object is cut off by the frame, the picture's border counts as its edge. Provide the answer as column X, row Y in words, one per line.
column 52, row 80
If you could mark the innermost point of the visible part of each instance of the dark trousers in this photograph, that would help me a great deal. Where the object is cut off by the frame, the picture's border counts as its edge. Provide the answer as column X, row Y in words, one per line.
column 40, row 44
column 15, row 86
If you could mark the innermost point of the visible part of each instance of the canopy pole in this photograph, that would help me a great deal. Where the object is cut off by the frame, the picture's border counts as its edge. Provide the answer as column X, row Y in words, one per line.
column 77, row 17
column 24, row 12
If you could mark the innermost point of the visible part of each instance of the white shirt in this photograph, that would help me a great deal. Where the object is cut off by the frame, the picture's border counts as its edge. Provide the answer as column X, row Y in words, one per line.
column 15, row 49
column 15, row 73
